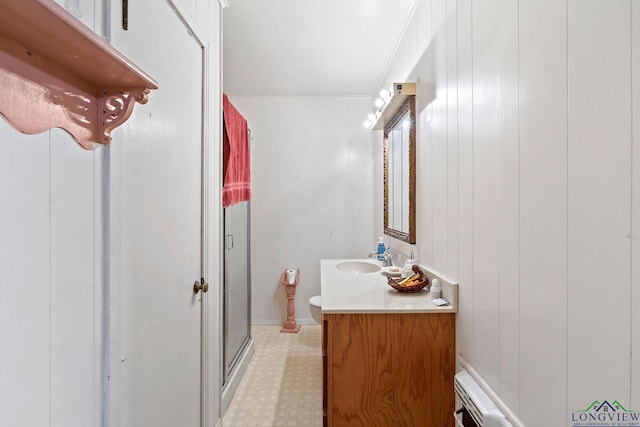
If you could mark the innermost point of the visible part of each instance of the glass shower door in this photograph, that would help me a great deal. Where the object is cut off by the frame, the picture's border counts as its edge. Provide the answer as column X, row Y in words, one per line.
column 237, row 285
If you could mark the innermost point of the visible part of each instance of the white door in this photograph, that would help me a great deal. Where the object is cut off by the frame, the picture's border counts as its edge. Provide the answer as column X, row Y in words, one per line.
column 157, row 167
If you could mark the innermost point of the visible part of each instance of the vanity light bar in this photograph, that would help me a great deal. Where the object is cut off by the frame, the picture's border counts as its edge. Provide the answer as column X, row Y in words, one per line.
column 388, row 103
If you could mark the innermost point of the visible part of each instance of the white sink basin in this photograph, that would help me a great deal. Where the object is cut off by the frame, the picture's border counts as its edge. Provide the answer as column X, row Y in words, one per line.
column 357, row 267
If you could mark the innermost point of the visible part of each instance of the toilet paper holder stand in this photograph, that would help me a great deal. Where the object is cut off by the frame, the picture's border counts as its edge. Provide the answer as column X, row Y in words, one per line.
column 290, row 325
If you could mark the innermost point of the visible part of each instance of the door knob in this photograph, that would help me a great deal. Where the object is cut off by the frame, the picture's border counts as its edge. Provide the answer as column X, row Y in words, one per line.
column 200, row 286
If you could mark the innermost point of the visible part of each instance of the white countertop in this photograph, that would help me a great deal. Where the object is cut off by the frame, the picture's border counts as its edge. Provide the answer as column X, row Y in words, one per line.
column 344, row 292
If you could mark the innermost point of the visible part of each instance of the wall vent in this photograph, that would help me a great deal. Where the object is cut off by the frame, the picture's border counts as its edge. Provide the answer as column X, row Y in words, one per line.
column 475, row 402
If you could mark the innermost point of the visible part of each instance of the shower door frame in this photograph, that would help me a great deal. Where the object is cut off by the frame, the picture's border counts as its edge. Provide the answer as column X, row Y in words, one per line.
column 228, row 367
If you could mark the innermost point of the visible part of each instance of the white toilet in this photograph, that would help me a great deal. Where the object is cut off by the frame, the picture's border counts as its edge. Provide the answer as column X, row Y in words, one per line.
column 315, row 306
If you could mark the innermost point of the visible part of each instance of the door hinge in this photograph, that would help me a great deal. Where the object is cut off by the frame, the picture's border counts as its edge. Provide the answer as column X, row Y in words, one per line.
column 125, row 14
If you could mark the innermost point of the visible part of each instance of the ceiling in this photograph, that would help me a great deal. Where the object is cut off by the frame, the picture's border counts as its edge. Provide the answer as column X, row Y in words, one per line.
column 310, row 47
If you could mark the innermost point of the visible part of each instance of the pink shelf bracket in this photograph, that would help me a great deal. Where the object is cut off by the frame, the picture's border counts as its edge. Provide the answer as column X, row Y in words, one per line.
column 116, row 108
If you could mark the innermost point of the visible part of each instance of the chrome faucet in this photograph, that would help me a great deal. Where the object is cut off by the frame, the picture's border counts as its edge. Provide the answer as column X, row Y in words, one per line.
column 388, row 257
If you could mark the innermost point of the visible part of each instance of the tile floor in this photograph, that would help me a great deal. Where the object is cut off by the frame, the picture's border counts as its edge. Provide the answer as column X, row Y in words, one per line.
column 282, row 386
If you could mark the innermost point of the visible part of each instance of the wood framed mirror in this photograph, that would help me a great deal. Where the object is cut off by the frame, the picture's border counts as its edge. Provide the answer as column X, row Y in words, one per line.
column 400, row 173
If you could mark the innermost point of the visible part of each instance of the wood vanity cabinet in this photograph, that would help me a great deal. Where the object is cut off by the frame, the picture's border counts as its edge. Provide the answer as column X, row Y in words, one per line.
column 388, row 369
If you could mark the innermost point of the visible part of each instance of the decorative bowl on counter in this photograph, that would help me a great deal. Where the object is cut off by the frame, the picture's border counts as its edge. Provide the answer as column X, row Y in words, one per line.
column 413, row 283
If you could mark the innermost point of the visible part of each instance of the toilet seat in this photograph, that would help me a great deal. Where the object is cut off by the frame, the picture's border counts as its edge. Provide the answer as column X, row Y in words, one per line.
column 316, row 301
column 315, row 307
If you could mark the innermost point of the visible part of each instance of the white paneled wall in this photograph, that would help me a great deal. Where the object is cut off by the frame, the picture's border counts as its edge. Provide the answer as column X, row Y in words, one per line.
column 465, row 325
column 452, row 137
column 543, row 210
column 635, row 206
column 312, row 193
column 528, row 168
column 24, row 277
column 424, row 131
column 50, row 280
column 51, row 246
column 599, row 195
column 75, row 282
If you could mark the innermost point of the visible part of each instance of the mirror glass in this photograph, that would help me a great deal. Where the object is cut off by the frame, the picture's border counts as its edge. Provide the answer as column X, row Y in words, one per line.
column 399, row 174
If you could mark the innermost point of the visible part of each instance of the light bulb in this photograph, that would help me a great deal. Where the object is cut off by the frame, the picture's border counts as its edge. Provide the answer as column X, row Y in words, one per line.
column 384, row 94
column 372, row 117
column 379, row 102
column 367, row 123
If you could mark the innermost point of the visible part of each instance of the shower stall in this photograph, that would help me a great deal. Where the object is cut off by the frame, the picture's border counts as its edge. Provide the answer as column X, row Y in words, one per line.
column 237, row 343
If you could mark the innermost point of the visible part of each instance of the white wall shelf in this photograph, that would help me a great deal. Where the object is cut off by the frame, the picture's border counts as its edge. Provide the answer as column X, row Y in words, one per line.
column 56, row 72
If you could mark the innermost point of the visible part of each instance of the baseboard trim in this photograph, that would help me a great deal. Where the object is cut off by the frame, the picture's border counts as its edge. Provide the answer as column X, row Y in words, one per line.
column 269, row 322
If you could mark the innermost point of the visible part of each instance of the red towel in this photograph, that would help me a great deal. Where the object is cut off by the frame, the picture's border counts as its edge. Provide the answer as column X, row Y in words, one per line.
column 236, row 161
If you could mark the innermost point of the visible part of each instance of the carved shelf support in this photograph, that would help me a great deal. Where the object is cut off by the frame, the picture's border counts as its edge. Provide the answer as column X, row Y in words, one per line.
column 116, row 108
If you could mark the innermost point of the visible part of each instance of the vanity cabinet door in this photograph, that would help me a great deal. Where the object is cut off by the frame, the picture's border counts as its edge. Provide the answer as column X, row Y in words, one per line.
column 390, row 369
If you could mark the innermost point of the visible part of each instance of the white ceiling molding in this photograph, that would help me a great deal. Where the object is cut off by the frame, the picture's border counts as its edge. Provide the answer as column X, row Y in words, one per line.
column 399, row 36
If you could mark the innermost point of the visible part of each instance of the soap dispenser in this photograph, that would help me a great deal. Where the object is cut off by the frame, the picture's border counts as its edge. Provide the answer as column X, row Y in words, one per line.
column 407, row 269
column 381, row 249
